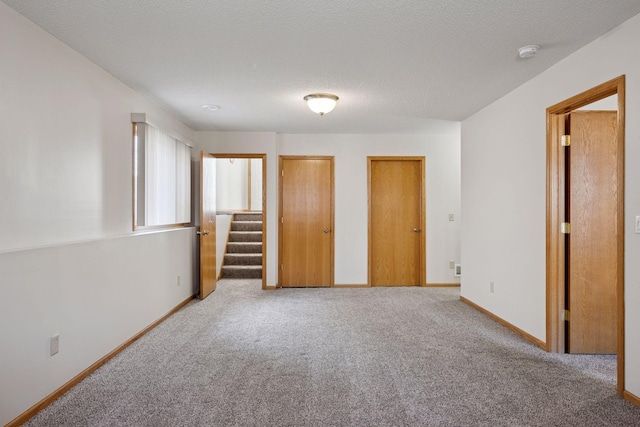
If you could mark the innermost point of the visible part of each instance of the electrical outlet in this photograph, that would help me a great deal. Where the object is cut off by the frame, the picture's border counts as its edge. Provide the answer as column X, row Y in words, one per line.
column 638, row 224
column 451, row 217
column 452, row 265
column 491, row 287
column 178, row 280
column 54, row 344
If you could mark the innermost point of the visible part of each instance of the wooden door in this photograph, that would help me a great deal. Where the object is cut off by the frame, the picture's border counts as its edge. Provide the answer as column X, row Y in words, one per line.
column 592, row 257
column 396, row 221
column 207, row 231
column 306, row 215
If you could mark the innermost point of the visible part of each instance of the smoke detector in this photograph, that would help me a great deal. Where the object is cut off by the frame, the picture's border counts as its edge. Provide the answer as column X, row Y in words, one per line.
column 528, row 51
column 210, row 107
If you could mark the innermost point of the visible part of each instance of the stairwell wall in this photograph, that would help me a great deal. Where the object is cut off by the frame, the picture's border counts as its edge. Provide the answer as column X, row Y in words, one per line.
column 223, row 224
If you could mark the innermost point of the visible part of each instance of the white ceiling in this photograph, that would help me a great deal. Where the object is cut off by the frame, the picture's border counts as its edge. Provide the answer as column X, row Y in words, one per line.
column 397, row 66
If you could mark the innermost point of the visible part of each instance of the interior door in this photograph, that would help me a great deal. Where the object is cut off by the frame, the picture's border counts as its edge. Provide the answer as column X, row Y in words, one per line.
column 396, row 221
column 207, row 230
column 592, row 243
column 306, row 228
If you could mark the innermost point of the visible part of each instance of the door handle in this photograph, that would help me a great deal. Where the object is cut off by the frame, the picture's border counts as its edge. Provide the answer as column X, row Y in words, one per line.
column 202, row 233
column 326, row 230
column 416, row 230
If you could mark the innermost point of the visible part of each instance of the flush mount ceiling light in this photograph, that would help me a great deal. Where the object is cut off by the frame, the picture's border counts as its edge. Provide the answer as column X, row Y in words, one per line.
column 321, row 103
column 210, row 107
column 528, row 51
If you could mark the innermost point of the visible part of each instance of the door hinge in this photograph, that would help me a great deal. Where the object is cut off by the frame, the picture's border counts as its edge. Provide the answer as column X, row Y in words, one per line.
column 565, row 140
column 564, row 314
column 282, row 172
column 281, row 220
column 565, row 228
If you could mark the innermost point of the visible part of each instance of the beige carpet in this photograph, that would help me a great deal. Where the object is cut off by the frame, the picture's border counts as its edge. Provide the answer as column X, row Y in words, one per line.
column 334, row 357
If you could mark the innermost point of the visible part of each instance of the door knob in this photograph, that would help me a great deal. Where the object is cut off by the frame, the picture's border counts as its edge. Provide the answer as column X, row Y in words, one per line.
column 202, row 233
column 326, row 230
column 416, row 230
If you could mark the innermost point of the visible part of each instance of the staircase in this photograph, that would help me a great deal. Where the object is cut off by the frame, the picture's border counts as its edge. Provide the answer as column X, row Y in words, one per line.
column 243, row 258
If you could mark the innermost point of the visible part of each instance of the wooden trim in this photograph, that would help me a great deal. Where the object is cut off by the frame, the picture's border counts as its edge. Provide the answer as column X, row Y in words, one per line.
column 442, row 285
column 423, row 216
column 270, row 288
column 29, row 413
column 279, row 265
column 410, row 158
column 590, row 96
column 555, row 340
column 555, row 241
column 506, row 324
column 264, row 223
column 631, row 398
column 333, row 221
column 351, row 286
column 428, row 285
column 309, row 157
column 620, row 90
column 423, row 221
column 369, row 248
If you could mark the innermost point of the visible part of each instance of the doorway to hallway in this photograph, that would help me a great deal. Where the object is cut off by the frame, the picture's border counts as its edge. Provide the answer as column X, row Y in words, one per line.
column 585, row 225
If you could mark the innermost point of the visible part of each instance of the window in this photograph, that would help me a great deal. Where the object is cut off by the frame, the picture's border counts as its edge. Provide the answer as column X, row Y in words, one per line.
column 162, row 177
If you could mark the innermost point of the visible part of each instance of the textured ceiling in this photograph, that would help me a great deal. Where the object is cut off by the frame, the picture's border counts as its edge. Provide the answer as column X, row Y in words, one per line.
column 397, row 66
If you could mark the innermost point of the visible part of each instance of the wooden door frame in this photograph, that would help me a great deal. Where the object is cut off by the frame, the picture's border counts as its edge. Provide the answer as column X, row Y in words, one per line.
column 262, row 156
column 555, row 240
column 423, row 225
column 332, row 233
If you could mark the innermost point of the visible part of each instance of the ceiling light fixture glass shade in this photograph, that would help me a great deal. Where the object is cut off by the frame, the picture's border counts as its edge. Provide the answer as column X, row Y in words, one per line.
column 321, row 103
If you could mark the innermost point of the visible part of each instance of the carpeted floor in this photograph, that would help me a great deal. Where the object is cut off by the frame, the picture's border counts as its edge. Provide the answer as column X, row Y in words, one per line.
column 334, row 357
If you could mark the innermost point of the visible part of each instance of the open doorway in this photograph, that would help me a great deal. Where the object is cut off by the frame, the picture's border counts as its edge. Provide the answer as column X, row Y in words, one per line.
column 240, row 216
column 585, row 223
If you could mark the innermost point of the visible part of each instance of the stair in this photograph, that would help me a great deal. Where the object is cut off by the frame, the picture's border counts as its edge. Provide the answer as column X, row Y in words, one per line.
column 243, row 257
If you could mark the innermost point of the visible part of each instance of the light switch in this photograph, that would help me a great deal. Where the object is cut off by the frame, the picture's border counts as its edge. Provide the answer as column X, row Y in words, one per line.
column 637, row 224
column 451, row 218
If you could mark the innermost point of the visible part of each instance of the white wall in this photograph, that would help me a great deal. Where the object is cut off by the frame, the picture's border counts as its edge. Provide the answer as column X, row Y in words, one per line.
column 223, row 225
column 232, row 184
column 94, row 294
column 70, row 262
column 256, row 184
column 504, row 187
column 351, row 151
column 442, row 154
